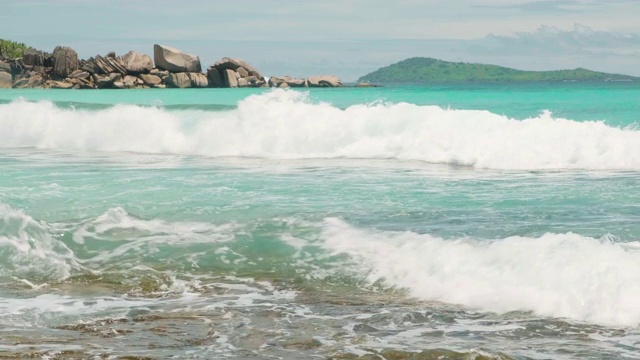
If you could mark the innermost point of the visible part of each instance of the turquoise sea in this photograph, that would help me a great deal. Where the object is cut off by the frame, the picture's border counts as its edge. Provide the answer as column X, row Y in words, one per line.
column 474, row 221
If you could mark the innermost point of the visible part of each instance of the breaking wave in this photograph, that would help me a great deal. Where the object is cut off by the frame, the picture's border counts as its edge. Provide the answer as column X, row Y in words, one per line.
column 557, row 275
column 287, row 125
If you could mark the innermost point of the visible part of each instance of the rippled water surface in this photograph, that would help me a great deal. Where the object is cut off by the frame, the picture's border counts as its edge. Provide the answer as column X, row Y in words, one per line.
column 293, row 226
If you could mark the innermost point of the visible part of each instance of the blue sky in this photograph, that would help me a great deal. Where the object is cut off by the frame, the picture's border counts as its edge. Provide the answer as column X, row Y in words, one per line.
column 347, row 38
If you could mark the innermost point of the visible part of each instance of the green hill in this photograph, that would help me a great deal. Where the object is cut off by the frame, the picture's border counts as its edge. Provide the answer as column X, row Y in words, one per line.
column 420, row 69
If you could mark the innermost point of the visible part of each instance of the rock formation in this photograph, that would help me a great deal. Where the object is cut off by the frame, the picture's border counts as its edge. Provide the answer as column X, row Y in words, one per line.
column 109, row 64
column 174, row 60
column 215, row 79
column 63, row 70
column 5, row 78
column 150, row 79
column 231, row 73
column 311, row 81
column 198, row 80
column 31, row 80
column 179, row 80
column 65, row 61
column 324, row 81
column 275, row 81
column 33, row 57
column 136, row 63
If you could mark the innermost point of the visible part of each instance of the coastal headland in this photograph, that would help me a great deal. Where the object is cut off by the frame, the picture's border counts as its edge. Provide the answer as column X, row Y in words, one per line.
column 169, row 68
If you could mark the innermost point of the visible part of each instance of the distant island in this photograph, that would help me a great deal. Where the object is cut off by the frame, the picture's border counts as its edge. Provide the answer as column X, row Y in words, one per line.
column 422, row 69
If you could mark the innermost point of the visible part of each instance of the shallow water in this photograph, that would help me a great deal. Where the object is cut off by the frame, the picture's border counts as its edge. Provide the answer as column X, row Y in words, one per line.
column 280, row 224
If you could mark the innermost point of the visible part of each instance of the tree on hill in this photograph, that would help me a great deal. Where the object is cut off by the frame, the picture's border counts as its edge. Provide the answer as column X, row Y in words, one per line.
column 11, row 49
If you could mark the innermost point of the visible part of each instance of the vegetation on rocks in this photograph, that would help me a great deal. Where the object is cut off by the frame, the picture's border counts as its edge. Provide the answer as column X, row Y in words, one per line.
column 11, row 49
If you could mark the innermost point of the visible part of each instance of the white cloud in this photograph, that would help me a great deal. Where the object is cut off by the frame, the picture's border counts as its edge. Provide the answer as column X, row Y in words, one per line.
column 581, row 38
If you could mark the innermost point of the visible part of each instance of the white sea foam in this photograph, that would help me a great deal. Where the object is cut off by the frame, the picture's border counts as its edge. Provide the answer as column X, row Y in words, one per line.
column 31, row 252
column 27, row 248
column 140, row 238
column 556, row 275
column 286, row 125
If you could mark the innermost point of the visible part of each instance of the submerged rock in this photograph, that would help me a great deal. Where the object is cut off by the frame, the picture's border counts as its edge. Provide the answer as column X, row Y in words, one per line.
column 174, row 60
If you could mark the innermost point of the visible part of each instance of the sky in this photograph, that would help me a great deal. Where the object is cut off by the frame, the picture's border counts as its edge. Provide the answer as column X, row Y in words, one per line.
column 348, row 38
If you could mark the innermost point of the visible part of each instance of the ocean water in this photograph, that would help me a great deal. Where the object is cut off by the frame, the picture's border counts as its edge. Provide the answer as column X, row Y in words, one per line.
column 486, row 221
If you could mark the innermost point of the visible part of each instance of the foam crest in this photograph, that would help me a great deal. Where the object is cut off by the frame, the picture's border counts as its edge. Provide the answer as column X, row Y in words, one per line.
column 132, row 237
column 555, row 275
column 119, row 128
column 27, row 249
column 287, row 125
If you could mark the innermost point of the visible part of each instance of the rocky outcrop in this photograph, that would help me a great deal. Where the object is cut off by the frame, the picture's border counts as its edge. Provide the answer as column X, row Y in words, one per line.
column 29, row 80
column 235, row 65
column 198, row 80
column 275, row 81
column 60, row 85
column 5, row 80
column 130, row 81
column 79, row 74
column 231, row 73
column 65, row 61
column 5, row 67
column 136, row 63
column 105, row 82
column 215, row 79
column 88, row 66
column 230, row 78
column 109, row 64
column 174, row 60
column 150, row 79
column 17, row 68
column 79, row 83
column 33, row 57
column 311, row 81
column 179, row 80
column 63, row 70
column 324, row 81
